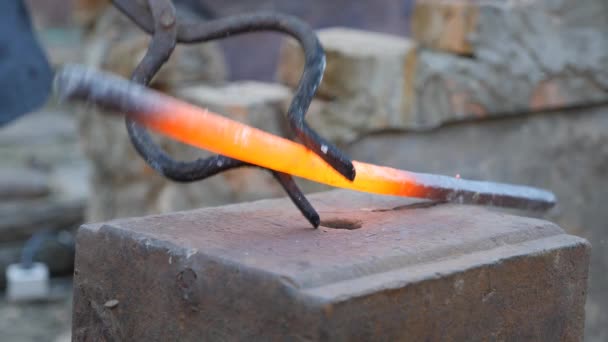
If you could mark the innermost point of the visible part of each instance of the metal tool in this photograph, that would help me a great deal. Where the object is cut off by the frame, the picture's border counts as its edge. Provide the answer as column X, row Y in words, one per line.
column 158, row 17
column 204, row 129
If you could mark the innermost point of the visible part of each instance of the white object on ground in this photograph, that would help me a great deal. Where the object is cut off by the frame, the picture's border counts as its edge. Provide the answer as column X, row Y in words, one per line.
column 24, row 284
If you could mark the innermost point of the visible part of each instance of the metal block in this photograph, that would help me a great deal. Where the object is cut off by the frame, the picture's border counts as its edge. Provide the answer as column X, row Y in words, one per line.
column 379, row 268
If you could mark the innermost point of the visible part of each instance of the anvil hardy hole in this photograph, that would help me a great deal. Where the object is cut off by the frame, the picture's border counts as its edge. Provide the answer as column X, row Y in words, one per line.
column 186, row 278
column 342, row 224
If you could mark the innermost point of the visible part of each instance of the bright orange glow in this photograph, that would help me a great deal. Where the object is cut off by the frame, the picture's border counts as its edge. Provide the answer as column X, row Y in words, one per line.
column 204, row 129
column 201, row 128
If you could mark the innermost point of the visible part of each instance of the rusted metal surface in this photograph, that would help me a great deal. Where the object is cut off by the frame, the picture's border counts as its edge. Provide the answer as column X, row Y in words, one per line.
column 389, row 269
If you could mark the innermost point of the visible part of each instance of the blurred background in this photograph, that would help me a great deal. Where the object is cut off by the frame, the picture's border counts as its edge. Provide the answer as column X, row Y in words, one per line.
column 509, row 91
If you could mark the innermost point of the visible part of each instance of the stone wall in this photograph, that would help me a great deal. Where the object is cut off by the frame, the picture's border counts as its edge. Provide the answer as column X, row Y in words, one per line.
column 389, row 16
column 512, row 57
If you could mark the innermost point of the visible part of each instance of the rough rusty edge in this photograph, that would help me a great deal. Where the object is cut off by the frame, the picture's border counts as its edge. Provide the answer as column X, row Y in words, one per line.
column 345, row 289
column 408, row 276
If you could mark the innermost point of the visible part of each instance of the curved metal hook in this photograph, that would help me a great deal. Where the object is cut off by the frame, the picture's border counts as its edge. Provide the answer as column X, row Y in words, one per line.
column 162, row 45
column 307, row 86
column 312, row 74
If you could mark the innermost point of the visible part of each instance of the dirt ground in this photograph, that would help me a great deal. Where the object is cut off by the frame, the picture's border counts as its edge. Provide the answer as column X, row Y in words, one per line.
column 42, row 321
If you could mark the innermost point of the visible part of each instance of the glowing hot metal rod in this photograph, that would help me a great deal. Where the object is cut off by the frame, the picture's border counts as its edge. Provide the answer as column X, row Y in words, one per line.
column 201, row 128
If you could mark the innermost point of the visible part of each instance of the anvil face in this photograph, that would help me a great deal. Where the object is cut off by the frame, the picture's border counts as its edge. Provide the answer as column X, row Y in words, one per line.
column 25, row 73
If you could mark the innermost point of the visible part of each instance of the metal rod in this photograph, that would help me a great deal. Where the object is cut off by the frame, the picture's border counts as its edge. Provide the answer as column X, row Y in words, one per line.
column 203, row 129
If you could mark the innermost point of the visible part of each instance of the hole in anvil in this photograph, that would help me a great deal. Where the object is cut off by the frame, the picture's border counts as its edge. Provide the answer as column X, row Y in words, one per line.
column 342, row 224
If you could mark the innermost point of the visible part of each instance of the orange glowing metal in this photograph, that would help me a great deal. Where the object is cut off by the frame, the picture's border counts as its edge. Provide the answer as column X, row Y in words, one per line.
column 204, row 129
column 207, row 130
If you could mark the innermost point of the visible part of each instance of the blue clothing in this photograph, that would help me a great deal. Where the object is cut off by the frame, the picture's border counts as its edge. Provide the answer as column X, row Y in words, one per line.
column 25, row 73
